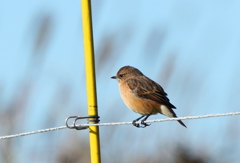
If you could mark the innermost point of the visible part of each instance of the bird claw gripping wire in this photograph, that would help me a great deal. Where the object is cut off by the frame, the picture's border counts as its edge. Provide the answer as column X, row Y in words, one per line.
column 140, row 125
column 143, row 124
column 93, row 119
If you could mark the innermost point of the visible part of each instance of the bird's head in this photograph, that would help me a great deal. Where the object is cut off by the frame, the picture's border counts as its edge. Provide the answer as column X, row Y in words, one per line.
column 126, row 72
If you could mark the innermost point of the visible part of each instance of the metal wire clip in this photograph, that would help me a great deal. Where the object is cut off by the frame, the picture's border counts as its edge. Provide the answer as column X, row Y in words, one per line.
column 94, row 118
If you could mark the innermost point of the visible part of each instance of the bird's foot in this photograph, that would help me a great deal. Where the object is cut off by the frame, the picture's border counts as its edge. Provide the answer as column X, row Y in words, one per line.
column 143, row 124
column 136, row 124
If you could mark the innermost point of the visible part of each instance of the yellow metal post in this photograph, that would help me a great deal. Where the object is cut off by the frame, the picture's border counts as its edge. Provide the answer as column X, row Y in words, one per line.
column 90, row 79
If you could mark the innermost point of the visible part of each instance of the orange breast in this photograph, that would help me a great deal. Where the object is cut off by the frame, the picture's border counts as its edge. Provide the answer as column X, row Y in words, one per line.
column 139, row 105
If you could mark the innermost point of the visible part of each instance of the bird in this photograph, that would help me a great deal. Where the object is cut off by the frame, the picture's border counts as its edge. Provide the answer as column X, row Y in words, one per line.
column 143, row 95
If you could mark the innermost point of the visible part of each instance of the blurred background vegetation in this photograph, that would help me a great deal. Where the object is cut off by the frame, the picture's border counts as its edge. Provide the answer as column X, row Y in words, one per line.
column 46, row 91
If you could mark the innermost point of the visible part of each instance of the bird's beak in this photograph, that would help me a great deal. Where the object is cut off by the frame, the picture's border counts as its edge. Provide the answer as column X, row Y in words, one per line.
column 113, row 77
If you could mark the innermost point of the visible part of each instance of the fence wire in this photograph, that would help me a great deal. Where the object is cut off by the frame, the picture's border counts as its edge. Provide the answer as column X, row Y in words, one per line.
column 122, row 123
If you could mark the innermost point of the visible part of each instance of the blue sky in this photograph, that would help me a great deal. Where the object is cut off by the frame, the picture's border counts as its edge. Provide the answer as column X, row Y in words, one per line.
column 197, row 40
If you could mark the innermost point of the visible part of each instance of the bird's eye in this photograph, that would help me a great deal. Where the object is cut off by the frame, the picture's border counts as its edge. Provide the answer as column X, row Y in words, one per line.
column 121, row 75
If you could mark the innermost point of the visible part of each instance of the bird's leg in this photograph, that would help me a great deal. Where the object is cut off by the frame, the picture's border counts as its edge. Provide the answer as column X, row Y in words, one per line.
column 143, row 122
column 134, row 122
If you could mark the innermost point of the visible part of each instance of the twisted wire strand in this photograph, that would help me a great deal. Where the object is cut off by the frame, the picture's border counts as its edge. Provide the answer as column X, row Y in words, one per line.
column 122, row 123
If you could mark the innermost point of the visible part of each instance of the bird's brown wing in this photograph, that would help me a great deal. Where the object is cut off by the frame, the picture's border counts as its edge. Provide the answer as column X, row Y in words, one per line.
column 146, row 88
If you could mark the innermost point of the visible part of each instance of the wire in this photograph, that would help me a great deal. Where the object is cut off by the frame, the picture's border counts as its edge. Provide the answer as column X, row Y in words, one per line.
column 123, row 123
column 33, row 132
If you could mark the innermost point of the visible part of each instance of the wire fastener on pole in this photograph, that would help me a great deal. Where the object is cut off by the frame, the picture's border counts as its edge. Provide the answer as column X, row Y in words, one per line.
column 94, row 119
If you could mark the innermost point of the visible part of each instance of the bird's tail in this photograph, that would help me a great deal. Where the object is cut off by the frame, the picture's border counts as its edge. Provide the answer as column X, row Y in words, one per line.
column 170, row 113
column 182, row 123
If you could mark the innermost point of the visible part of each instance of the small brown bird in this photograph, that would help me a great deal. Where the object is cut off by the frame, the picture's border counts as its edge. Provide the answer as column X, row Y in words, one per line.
column 143, row 96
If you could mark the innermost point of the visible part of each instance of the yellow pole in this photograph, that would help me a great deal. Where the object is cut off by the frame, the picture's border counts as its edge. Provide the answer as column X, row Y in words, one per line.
column 90, row 80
